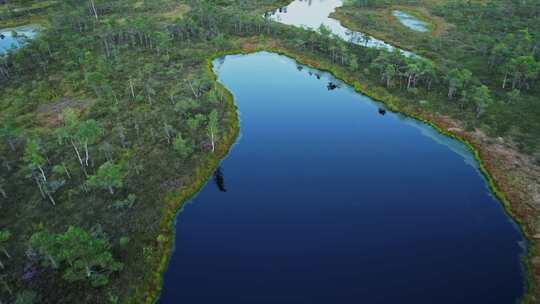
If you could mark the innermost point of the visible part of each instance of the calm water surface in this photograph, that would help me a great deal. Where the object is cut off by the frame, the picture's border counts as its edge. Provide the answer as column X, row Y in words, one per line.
column 325, row 200
column 11, row 38
column 314, row 13
column 411, row 21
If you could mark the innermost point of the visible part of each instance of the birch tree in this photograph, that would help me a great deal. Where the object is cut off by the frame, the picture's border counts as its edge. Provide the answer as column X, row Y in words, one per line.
column 109, row 176
column 34, row 158
column 212, row 128
column 9, row 132
column 87, row 133
column 79, row 134
column 481, row 98
column 84, row 256
column 68, row 130
column 2, row 190
column 5, row 235
column 457, row 81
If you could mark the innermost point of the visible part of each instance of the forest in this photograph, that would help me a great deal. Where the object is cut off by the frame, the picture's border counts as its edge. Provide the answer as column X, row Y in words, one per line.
column 486, row 54
column 112, row 117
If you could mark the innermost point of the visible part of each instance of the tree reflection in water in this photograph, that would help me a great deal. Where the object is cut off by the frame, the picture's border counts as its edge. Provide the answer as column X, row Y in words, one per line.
column 219, row 179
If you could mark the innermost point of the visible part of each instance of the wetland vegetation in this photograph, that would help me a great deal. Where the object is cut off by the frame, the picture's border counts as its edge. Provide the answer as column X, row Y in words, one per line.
column 112, row 117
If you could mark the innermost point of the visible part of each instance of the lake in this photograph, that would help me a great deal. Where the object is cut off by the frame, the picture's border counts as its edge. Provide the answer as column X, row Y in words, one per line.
column 314, row 13
column 328, row 198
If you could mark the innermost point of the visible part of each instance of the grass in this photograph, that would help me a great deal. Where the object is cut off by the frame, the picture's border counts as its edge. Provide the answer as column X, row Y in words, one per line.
column 176, row 11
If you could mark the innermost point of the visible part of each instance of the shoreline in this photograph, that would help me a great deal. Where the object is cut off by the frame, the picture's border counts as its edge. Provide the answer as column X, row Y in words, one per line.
column 175, row 200
column 437, row 28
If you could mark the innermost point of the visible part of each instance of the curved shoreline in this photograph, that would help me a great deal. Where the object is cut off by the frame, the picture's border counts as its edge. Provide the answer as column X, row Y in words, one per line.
column 174, row 201
column 345, row 22
column 473, row 147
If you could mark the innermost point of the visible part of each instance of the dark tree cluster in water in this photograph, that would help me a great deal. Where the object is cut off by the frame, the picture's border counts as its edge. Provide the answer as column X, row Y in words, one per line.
column 219, row 179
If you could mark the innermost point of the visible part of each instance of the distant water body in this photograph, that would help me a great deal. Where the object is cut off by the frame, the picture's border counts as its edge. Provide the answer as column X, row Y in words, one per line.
column 314, row 13
column 12, row 38
column 411, row 21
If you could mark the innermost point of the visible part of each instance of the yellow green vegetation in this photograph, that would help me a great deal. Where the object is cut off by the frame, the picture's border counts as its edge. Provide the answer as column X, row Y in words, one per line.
column 13, row 13
column 176, row 11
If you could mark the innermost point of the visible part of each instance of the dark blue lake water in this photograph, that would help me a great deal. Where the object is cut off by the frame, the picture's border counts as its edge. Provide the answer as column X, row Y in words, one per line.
column 325, row 200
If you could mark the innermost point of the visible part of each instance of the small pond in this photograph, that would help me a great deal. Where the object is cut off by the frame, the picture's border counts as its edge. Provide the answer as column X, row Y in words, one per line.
column 411, row 21
column 12, row 38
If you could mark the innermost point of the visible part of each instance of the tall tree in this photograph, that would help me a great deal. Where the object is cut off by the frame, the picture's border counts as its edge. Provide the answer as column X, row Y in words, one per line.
column 2, row 186
column 34, row 157
column 85, row 256
column 87, row 133
column 5, row 235
column 481, row 98
column 182, row 146
column 212, row 128
column 9, row 132
column 109, row 176
column 457, row 80
column 523, row 70
column 68, row 132
column 79, row 134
